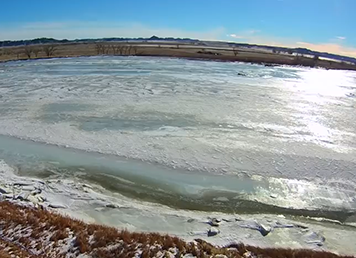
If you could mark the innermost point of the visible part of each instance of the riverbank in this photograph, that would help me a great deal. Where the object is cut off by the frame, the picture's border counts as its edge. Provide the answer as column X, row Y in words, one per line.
column 31, row 232
column 178, row 51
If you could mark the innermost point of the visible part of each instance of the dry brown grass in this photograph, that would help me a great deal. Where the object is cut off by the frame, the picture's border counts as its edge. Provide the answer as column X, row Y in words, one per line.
column 9, row 250
column 59, row 235
column 104, row 242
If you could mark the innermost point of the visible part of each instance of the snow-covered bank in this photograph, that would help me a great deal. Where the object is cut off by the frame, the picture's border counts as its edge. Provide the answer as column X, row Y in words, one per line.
column 28, row 233
column 94, row 204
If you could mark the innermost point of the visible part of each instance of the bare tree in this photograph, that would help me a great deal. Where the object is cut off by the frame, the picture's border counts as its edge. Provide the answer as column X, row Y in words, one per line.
column 235, row 51
column 102, row 48
column 49, row 50
column 121, row 49
column 36, row 51
column 114, row 49
column 128, row 49
column 106, row 49
column 28, row 51
column 177, row 46
column 8, row 52
column 99, row 48
column 18, row 53
column 134, row 50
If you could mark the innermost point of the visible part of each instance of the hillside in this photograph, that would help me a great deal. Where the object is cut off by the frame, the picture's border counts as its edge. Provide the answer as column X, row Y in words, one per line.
column 298, row 51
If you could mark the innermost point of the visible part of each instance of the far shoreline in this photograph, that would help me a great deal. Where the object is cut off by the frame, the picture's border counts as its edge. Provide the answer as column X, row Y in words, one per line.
column 202, row 59
column 190, row 52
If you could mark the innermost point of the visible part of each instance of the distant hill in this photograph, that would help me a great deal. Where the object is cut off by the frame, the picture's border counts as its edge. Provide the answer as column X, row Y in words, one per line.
column 301, row 51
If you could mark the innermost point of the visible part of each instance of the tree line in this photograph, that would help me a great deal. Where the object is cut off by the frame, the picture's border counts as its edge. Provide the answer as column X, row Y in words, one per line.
column 30, row 51
column 115, row 49
column 49, row 50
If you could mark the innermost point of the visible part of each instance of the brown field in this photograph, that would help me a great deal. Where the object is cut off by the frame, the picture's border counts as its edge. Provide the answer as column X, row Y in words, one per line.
column 166, row 50
column 32, row 232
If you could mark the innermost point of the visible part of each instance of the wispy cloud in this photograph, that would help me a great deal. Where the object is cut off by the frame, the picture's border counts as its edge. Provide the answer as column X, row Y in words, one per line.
column 46, row 26
column 330, row 48
column 335, row 45
column 252, row 32
column 75, row 30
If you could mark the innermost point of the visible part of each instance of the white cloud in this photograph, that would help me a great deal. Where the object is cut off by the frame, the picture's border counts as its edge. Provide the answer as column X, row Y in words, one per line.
column 235, row 36
column 244, row 34
column 341, row 38
column 75, row 30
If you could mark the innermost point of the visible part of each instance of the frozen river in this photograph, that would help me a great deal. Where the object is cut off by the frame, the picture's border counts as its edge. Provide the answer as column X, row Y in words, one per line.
column 193, row 135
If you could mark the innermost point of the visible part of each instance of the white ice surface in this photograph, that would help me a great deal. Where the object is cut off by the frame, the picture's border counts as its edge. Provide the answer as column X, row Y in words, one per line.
column 280, row 121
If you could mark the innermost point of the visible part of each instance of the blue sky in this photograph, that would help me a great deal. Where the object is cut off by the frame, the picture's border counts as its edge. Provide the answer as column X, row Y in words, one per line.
column 326, row 25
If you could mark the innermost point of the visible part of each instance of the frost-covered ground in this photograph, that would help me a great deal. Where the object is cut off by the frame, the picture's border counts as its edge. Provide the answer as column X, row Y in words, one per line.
column 157, row 144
